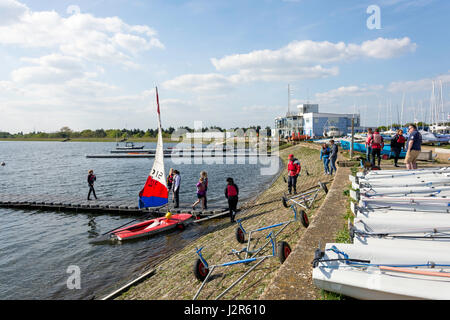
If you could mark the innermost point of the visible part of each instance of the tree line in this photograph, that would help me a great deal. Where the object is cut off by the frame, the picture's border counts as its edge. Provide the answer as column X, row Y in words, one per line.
column 119, row 134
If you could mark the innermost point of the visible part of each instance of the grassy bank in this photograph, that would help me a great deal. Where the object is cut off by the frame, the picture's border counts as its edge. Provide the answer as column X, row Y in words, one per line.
column 265, row 210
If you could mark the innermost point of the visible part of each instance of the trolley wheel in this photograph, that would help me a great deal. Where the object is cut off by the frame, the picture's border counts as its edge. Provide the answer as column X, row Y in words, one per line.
column 200, row 271
column 284, row 201
column 240, row 235
column 304, row 219
column 181, row 226
column 283, row 251
column 323, row 186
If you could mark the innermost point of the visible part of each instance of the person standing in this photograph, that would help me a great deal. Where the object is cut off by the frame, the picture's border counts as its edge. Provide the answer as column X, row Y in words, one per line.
column 325, row 157
column 200, row 193
column 413, row 147
column 368, row 146
column 176, row 188
column 91, row 178
column 397, row 144
column 170, row 183
column 293, row 168
column 376, row 142
column 204, row 174
column 232, row 194
column 333, row 156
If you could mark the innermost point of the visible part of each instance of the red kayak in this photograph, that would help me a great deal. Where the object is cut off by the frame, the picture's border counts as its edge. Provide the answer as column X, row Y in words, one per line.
column 151, row 227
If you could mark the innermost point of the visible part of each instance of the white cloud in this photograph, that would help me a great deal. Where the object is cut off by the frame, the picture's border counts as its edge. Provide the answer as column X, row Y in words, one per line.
column 309, row 52
column 82, row 35
column 11, row 11
column 199, row 82
column 424, row 84
column 298, row 60
column 347, row 91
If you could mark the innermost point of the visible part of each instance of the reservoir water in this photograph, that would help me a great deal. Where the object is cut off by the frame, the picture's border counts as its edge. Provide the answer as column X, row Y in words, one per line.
column 39, row 249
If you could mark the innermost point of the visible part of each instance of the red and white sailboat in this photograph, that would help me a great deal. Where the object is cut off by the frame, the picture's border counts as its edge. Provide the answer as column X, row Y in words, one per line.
column 153, row 194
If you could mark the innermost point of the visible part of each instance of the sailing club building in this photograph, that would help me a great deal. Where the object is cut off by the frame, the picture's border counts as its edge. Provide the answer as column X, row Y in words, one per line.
column 309, row 121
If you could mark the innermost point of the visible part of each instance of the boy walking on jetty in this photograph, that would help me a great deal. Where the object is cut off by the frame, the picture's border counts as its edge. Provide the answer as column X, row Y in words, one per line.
column 232, row 193
column 90, row 179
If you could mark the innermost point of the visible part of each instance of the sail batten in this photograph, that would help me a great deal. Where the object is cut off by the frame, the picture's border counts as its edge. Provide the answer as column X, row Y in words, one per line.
column 155, row 193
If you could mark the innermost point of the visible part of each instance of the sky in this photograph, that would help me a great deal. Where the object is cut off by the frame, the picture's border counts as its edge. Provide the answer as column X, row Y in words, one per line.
column 228, row 63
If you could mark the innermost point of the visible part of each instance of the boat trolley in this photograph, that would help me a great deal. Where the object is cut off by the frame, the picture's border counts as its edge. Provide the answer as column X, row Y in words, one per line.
column 281, row 249
column 304, row 199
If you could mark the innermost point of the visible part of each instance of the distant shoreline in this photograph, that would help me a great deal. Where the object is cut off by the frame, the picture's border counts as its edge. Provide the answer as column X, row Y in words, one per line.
column 137, row 140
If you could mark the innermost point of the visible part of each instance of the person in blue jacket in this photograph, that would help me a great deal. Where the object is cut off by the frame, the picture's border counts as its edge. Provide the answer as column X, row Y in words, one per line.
column 325, row 157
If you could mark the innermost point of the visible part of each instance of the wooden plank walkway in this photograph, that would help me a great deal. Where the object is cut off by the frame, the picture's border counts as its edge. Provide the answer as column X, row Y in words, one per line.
column 107, row 205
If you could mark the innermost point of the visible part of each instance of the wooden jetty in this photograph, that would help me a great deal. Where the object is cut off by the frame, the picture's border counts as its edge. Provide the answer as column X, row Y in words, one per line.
column 81, row 204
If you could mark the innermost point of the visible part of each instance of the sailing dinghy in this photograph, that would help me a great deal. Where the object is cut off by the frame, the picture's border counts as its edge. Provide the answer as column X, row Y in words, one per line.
column 381, row 271
column 154, row 194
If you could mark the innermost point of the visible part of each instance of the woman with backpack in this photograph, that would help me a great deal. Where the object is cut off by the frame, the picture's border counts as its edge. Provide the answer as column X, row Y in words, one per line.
column 376, row 142
column 397, row 144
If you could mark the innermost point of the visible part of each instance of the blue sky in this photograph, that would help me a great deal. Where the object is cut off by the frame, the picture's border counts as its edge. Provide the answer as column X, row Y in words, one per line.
column 94, row 64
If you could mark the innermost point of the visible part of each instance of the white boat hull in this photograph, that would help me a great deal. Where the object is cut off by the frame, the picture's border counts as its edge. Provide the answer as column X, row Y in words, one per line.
column 375, row 284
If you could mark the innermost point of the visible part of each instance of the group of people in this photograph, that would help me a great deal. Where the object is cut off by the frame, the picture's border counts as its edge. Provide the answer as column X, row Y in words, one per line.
column 375, row 143
column 329, row 154
column 231, row 191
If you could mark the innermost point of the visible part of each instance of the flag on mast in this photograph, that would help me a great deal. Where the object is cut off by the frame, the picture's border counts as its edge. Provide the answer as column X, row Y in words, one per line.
column 155, row 193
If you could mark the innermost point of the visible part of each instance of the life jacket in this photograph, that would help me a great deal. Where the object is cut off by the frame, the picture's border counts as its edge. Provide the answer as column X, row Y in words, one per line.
column 294, row 167
column 231, row 190
column 170, row 180
column 369, row 136
column 376, row 141
column 326, row 151
column 401, row 140
column 91, row 178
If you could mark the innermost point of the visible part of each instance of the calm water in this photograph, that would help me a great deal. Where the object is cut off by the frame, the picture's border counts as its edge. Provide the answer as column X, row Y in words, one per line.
column 37, row 247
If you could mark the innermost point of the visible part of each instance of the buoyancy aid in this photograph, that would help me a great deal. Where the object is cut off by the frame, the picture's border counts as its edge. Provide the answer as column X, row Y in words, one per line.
column 231, row 190
column 294, row 167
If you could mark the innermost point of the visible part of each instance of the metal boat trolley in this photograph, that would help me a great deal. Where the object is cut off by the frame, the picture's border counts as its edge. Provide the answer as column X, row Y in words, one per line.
column 203, row 271
column 304, row 199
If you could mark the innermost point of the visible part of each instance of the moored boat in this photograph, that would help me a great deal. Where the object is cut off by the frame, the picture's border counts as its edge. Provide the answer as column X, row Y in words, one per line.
column 151, row 227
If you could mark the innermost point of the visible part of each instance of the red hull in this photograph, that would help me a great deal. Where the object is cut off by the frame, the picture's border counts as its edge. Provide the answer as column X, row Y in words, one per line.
column 159, row 225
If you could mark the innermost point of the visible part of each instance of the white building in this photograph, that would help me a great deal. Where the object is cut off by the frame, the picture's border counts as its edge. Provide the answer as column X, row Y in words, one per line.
column 309, row 121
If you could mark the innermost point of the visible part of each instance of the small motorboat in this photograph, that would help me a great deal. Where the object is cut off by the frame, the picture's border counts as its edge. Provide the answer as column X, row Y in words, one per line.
column 129, row 146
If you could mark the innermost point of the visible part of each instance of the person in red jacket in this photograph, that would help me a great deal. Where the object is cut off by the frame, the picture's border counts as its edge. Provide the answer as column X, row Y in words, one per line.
column 232, row 193
column 377, row 144
column 293, row 168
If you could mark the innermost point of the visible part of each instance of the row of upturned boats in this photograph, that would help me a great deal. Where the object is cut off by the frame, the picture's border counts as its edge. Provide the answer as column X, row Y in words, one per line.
column 400, row 238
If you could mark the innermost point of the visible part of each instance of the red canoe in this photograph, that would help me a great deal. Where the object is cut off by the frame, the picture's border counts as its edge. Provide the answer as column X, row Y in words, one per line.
column 151, row 227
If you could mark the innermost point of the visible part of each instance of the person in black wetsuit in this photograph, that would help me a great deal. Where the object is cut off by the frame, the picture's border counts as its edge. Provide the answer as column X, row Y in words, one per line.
column 91, row 179
column 231, row 193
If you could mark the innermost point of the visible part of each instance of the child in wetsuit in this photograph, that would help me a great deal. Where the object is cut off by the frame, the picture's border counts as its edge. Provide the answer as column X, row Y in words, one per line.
column 231, row 193
column 90, row 179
